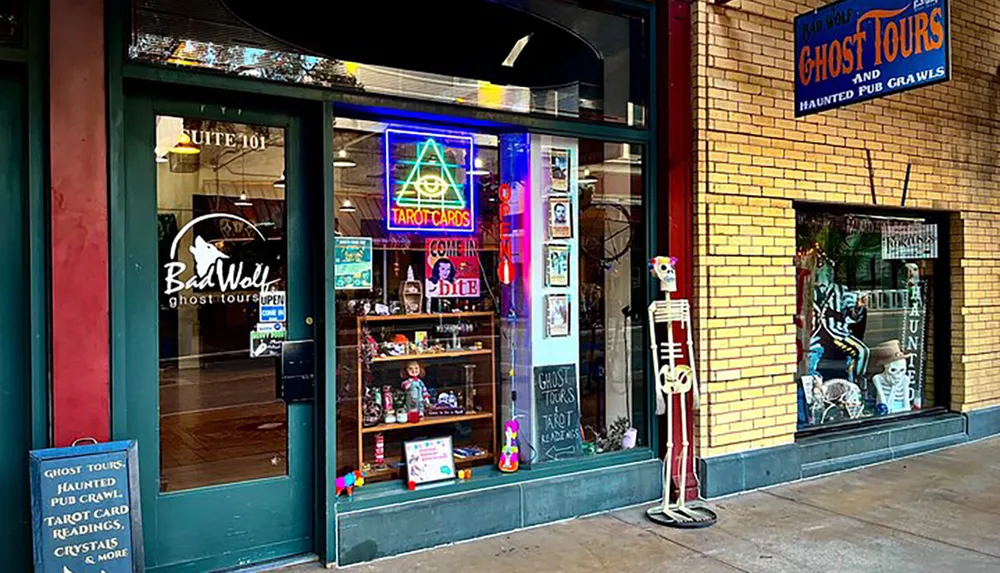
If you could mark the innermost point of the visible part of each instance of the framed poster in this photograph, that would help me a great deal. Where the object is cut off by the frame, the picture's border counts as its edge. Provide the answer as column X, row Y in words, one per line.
column 556, row 315
column 452, row 268
column 430, row 460
column 560, row 217
column 559, row 169
column 557, row 265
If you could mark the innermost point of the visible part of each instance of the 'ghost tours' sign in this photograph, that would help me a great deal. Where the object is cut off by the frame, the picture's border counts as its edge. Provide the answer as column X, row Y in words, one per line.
column 856, row 50
column 85, row 509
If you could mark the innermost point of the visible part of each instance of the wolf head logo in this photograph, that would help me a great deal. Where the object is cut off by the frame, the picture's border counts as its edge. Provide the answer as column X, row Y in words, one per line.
column 205, row 256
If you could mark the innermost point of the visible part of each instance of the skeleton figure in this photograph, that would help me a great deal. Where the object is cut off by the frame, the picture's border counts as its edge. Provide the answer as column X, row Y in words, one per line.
column 893, row 383
column 673, row 379
column 835, row 308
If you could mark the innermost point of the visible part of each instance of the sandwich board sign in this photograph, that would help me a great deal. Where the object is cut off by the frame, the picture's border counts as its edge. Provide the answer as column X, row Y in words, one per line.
column 85, row 509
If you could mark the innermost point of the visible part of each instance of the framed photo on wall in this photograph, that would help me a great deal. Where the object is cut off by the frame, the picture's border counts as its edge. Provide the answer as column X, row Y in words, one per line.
column 557, row 265
column 557, row 315
column 559, row 169
column 560, row 217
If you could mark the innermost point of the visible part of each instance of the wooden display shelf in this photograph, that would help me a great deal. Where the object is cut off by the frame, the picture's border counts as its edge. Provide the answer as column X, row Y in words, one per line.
column 433, row 355
column 388, row 470
column 429, row 421
column 484, row 383
column 433, row 316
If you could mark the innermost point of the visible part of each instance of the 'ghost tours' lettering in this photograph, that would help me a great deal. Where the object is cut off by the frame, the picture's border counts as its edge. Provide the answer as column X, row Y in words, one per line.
column 85, row 522
column 854, row 50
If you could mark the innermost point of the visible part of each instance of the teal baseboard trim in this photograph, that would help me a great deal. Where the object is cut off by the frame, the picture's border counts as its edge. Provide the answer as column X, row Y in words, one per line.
column 383, row 531
column 836, row 451
column 983, row 423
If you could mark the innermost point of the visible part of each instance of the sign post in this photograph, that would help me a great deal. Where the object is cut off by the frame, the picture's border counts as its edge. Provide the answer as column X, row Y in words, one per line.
column 856, row 50
column 85, row 509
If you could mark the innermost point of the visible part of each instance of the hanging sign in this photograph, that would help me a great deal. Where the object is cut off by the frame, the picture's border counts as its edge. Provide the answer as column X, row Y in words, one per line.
column 856, row 50
column 272, row 306
column 505, row 270
column 909, row 241
column 452, row 268
column 352, row 263
column 85, row 509
column 428, row 183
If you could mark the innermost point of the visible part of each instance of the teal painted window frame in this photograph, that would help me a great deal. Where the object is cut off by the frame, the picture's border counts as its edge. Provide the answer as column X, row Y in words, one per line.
column 126, row 77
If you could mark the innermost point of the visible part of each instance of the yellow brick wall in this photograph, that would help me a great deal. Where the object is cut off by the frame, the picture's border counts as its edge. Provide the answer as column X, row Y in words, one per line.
column 754, row 159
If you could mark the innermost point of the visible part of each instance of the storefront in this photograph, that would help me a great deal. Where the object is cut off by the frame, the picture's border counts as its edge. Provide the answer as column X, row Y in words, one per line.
column 356, row 296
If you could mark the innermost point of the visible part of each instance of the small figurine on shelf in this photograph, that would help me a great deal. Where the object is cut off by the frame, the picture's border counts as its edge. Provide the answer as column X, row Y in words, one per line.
column 416, row 391
column 509, row 453
column 390, row 415
column 348, row 482
column 411, row 293
column 379, row 449
column 372, row 407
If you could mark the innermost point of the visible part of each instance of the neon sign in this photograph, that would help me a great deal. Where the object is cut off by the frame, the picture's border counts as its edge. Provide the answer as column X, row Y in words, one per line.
column 428, row 183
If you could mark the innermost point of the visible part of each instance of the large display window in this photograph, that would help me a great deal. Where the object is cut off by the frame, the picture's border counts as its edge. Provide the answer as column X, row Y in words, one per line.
column 865, row 320
column 484, row 290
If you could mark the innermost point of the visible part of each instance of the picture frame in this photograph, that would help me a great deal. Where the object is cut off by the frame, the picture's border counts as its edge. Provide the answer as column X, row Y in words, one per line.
column 557, row 265
column 429, row 460
column 559, row 169
column 557, row 315
column 560, row 217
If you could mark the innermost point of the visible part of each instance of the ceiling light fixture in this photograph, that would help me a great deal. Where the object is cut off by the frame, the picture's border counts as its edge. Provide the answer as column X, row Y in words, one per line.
column 342, row 160
column 477, row 168
column 347, row 206
column 587, row 178
column 243, row 202
column 184, row 146
column 280, row 183
column 515, row 51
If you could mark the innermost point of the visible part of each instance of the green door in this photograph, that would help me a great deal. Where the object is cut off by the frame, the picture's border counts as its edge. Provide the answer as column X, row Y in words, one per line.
column 15, row 403
column 217, row 280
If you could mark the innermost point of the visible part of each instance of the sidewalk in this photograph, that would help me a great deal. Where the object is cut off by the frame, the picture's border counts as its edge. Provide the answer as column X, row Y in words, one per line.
column 935, row 512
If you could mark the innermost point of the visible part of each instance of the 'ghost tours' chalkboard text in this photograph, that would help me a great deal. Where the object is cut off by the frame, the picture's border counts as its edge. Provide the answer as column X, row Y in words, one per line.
column 85, row 509
column 557, row 412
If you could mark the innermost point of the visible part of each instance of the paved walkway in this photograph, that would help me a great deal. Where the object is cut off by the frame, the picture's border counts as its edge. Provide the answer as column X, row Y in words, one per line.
column 935, row 512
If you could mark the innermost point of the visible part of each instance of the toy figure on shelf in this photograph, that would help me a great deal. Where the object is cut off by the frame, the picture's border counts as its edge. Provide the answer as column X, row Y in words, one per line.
column 390, row 414
column 509, row 460
column 349, row 482
column 416, row 391
column 372, row 407
column 674, row 383
column 379, row 449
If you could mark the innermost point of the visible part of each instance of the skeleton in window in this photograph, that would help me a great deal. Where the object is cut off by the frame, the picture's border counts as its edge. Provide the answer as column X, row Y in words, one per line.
column 892, row 383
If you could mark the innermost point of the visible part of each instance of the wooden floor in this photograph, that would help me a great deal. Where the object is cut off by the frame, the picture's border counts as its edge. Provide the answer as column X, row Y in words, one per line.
column 221, row 424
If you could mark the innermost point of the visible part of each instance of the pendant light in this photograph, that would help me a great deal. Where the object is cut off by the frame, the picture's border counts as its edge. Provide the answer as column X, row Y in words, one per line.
column 184, row 146
column 347, row 206
column 477, row 168
column 587, row 178
column 280, row 183
column 342, row 160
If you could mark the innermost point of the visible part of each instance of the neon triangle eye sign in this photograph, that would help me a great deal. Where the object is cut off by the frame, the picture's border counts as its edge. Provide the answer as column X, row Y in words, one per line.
column 428, row 182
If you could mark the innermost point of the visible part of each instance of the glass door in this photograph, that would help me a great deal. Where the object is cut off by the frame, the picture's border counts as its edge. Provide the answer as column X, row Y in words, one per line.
column 218, row 285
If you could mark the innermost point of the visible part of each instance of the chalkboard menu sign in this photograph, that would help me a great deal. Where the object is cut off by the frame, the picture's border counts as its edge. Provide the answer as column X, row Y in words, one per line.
column 557, row 412
column 85, row 509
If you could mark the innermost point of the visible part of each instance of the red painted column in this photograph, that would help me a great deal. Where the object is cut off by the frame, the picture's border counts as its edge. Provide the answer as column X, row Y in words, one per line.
column 79, row 211
column 677, row 139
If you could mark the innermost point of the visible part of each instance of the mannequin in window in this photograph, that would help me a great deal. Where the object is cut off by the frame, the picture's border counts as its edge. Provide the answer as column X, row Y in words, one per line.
column 835, row 309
